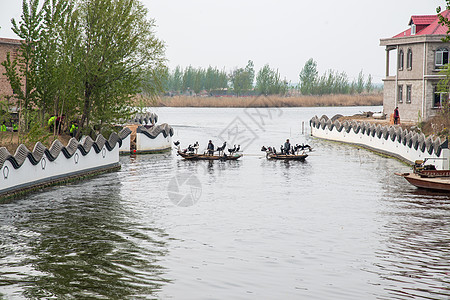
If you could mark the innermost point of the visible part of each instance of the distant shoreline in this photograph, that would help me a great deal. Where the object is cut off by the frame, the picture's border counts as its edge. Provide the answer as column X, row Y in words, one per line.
column 271, row 101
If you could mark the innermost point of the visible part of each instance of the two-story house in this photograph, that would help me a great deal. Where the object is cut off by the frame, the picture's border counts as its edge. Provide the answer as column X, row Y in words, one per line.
column 420, row 55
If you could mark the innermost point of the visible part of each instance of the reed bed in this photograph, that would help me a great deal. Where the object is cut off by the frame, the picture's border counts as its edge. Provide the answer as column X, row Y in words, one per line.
column 272, row 101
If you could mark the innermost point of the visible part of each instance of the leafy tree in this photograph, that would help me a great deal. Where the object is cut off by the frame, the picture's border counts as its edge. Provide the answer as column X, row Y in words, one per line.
column 21, row 72
column 116, row 46
column 360, row 83
column 268, row 82
column 308, row 77
column 84, row 57
column 242, row 79
column 369, row 85
column 444, row 84
column 56, row 85
column 177, row 79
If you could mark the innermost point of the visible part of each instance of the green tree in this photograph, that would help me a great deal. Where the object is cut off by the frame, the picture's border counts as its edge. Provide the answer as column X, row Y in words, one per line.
column 360, row 83
column 116, row 47
column 84, row 57
column 369, row 84
column 308, row 77
column 56, row 85
column 21, row 72
column 177, row 79
column 444, row 84
column 242, row 79
column 268, row 82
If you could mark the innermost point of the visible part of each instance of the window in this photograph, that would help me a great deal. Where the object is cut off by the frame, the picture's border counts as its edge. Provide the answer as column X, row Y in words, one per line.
column 409, row 60
column 413, row 29
column 441, row 57
column 400, row 94
column 408, row 94
column 401, row 57
column 439, row 97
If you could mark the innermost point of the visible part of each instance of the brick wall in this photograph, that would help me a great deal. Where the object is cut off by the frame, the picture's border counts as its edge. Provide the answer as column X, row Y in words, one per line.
column 6, row 45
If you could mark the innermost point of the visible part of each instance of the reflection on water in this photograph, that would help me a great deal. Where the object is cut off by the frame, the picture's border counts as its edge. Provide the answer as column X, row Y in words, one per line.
column 339, row 225
column 79, row 243
column 414, row 257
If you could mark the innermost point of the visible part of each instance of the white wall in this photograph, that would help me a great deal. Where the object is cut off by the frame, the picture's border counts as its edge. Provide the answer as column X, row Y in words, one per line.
column 146, row 144
column 46, row 171
column 125, row 147
column 381, row 144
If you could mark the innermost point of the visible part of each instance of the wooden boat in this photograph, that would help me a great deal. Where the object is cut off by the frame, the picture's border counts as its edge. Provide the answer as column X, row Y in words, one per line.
column 301, row 157
column 427, row 177
column 195, row 156
column 432, row 180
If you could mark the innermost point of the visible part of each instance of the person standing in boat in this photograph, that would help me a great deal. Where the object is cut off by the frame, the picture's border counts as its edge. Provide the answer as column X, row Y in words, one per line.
column 210, row 148
column 287, row 147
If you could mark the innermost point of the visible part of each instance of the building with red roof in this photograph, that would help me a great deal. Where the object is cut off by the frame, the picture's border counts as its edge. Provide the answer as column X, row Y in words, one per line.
column 420, row 54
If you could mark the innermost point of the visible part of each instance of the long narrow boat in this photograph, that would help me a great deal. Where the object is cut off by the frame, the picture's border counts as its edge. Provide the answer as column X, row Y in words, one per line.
column 301, row 157
column 194, row 156
column 432, row 180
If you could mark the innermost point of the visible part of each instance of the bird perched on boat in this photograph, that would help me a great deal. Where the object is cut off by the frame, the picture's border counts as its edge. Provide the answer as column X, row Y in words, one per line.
column 222, row 148
column 196, row 145
column 306, row 147
column 232, row 150
column 190, row 148
column 238, row 148
column 302, row 147
column 177, row 143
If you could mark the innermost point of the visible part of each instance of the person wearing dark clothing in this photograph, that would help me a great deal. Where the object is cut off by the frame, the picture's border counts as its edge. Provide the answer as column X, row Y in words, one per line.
column 396, row 116
column 210, row 148
column 287, row 147
column 59, row 123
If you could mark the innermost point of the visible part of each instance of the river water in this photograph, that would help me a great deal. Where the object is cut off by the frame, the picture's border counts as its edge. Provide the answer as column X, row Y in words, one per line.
column 338, row 226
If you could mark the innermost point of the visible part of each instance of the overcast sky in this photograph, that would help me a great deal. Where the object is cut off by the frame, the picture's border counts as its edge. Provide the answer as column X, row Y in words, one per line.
column 339, row 35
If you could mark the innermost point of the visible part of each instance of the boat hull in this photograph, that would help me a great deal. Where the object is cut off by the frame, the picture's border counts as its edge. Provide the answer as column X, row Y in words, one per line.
column 193, row 156
column 301, row 157
column 431, row 183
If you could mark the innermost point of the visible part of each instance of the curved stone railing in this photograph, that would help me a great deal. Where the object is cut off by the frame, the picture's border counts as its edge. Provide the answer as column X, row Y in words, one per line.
column 43, row 166
column 403, row 143
column 153, row 132
column 145, row 118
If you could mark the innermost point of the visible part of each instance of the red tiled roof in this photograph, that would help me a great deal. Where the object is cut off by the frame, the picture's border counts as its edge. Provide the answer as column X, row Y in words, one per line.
column 433, row 28
column 422, row 20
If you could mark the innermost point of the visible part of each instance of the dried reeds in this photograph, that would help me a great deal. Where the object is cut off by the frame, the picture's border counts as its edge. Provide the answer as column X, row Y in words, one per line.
column 272, row 101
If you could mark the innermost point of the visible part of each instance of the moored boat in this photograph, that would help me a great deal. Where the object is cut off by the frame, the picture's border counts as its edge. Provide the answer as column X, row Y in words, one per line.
column 440, row 183
column 427, row 177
